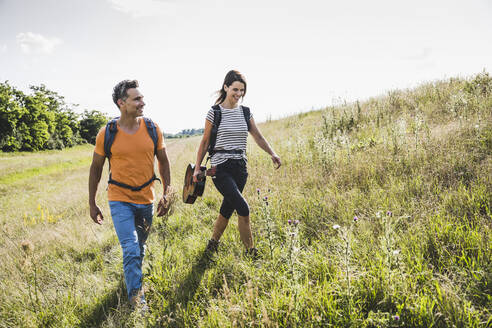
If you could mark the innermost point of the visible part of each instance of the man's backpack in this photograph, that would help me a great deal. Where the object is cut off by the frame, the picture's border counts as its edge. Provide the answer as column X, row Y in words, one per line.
column 111, row 129
column 215, row 129
column 109, row 136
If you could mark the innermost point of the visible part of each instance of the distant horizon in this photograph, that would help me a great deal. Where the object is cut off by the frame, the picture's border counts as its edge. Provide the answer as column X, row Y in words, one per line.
column 334, row 103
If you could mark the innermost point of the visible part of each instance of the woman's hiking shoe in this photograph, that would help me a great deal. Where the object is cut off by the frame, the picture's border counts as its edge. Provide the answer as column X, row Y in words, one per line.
column 252, row 253
column 213, row 246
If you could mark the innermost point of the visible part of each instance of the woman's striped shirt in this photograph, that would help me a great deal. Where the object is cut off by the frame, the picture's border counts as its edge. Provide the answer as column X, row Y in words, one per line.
column 232, row 134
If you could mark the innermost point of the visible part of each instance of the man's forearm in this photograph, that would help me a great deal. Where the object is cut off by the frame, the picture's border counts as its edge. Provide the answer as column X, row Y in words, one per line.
column 165, row 173
column 94, row 178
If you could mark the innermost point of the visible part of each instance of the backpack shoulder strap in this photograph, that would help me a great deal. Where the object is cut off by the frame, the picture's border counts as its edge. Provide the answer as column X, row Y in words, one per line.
column 217, row 115
column 109, row 135
column 151, row 129
column 247, row 116
column 215, row 129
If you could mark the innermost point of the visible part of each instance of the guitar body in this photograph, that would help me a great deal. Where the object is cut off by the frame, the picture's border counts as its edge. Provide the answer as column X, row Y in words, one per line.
column 191, row 190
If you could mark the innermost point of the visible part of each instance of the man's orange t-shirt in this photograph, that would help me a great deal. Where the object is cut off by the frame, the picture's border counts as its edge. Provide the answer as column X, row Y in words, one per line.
column 132, row 163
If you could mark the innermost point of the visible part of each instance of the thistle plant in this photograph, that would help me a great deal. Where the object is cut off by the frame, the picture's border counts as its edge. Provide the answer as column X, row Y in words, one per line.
column 389, row 246
column 417, row 126
column 345, row 235
column 293, row 245
column 325, row 150
column 387, row 239
column 397, row 132
column 265, row 214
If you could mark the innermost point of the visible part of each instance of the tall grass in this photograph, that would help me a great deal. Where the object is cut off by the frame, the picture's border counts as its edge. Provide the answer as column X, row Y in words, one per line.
column 379, row 217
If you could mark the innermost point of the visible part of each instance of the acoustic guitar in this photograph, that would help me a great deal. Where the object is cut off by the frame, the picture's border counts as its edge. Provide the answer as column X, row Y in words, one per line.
column 192, row 190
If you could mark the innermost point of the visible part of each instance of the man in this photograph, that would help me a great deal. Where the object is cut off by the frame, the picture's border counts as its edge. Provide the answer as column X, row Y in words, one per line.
column 130, row 185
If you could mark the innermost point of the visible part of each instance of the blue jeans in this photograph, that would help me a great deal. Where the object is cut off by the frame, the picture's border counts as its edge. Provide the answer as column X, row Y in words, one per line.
column 132, row 224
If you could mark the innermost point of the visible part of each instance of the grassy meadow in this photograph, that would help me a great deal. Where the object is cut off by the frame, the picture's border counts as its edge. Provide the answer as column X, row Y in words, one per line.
column 379, row 217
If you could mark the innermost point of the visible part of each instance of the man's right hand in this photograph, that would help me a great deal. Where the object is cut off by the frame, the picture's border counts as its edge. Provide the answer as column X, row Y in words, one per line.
column 96, row 214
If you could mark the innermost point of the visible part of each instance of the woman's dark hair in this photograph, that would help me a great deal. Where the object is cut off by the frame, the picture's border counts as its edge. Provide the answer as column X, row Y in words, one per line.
column 231, row 77
column 119, row 91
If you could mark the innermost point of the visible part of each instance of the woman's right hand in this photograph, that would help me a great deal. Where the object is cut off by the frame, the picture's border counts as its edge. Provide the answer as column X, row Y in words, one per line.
column 196, row 173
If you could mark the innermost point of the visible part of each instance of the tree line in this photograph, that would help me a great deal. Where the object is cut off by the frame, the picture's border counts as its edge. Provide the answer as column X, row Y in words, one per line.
column 42, row 120
column 184, row 133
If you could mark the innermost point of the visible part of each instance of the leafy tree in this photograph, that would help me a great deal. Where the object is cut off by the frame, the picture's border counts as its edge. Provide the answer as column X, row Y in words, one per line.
column 10, row 112
column 40, row 120
column 90, row 124
column 36, row 121
column 63, row 125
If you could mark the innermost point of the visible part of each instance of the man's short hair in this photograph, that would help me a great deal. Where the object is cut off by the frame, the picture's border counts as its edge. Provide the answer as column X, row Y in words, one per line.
column 119, row 91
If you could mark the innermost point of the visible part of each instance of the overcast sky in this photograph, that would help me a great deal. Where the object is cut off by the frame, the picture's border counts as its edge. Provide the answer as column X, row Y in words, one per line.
column 296, row 55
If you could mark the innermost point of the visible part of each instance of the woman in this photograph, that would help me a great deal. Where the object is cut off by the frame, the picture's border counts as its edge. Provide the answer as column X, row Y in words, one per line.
column 229, row 158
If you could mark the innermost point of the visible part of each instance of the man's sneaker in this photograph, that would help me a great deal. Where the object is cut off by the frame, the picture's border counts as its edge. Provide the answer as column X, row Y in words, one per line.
column 213, row 246
column 138, row 303
column 252, row 253
column 144, row 308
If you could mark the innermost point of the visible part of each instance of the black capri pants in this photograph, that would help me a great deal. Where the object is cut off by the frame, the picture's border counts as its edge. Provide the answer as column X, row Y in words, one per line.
column 230, row 179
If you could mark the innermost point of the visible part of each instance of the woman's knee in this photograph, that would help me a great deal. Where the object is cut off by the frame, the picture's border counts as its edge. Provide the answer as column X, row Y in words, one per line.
column 226, row 209
column 226, row 213
column 243, row 209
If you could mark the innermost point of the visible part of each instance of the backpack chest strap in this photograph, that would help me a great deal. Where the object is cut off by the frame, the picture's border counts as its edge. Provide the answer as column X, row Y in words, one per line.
column 124, row 185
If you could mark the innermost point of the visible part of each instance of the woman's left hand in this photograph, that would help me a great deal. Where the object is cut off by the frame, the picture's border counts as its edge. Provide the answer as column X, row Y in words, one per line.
column 276, row 161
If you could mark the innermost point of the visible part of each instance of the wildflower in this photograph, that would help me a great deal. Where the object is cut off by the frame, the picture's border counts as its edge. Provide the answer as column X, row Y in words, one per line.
column 396, row 317
column 356, row 218
column 336, row 226
column 265, row 198
column 27, row 246
column 296, row 222
column 476, row 126
column 396, row 252
column 269, row 190
column 378, row 214
column 389, row 213
column 289, row 221
column 258, row 191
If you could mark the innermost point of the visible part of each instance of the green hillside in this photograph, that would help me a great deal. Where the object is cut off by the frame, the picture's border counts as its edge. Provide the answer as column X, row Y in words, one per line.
column 389, row 202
